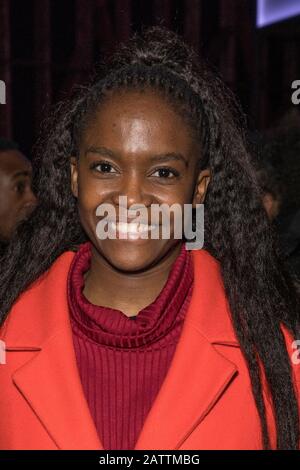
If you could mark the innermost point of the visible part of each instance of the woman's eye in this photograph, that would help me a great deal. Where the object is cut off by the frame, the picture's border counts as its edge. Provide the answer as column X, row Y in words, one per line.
column 165, row 173
column 103, row 167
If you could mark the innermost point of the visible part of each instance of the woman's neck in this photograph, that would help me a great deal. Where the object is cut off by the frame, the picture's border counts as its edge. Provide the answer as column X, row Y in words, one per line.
column 135, row 290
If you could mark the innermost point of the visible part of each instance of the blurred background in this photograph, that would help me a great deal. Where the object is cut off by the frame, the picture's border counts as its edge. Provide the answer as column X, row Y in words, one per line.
column 47, row 46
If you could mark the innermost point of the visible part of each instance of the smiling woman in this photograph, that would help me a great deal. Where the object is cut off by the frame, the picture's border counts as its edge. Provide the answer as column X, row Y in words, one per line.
column 135, row 145
column 140, row 343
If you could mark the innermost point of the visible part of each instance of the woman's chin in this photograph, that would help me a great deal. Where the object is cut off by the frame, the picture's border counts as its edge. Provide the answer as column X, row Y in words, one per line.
column 132, row 255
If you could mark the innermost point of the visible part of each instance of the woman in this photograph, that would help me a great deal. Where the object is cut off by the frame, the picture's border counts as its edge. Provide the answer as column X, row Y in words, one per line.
column 140, row 343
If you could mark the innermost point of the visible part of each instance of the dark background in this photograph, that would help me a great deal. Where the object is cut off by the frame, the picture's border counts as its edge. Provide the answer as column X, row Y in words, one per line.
column 46, row 46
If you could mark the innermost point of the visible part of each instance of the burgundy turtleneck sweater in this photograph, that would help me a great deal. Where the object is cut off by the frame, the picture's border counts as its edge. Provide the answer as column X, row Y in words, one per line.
column 123, row 360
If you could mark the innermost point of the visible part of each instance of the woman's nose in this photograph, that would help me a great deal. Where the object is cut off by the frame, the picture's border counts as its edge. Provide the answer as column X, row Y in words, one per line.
column 134, row 189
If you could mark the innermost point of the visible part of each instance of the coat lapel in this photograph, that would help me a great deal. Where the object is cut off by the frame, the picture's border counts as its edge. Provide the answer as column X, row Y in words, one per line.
column 196, row 379
column 199, row 374
column 50, row 383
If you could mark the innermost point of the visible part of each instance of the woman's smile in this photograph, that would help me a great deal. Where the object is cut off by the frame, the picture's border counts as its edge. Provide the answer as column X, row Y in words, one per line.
column 131, row 230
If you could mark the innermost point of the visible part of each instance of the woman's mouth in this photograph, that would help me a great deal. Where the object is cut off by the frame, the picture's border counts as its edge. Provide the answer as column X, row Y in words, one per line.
column 131, row 231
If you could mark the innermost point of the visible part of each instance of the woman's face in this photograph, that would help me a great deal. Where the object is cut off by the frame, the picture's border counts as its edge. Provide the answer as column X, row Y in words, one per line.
column 137, row 146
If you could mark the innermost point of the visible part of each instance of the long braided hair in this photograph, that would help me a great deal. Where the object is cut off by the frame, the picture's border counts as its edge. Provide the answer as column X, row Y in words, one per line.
column 260, row 292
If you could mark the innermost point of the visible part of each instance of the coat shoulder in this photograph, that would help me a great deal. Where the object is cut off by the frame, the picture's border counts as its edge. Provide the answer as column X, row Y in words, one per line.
column 38, row 293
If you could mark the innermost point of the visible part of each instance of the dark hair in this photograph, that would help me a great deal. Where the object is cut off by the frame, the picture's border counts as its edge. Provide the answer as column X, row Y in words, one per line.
column 238, row 234
column 6, row 144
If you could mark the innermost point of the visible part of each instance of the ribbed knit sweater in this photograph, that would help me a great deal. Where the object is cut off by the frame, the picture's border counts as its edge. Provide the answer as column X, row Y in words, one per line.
column 123, row 360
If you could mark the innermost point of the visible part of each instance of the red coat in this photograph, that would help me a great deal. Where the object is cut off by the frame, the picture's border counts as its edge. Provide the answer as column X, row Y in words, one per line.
column 205, row 402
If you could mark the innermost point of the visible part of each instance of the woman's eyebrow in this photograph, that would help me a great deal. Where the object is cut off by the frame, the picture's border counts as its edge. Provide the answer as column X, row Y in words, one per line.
column 165, row 157
column 101, row 151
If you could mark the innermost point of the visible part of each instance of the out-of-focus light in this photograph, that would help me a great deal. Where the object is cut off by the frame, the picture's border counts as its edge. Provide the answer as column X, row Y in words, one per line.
column 272, row 11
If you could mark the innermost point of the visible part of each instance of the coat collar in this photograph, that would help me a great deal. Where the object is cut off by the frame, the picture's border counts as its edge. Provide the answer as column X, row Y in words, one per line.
column 49, row 380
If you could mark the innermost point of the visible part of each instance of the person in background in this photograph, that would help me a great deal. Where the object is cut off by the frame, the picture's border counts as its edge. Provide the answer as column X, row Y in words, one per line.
column 273, row 193
column 282, row 151
column 16, row 196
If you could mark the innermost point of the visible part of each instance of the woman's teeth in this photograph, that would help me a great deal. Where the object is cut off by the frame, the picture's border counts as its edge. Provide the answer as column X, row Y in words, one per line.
column 131, row 229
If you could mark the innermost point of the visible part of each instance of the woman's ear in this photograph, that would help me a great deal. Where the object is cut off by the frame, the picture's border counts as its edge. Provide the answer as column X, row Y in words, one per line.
column 74, row 176
column 201, row 186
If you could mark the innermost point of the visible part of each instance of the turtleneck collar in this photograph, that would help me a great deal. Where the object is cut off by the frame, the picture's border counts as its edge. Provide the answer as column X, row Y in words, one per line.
column 111, row 327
